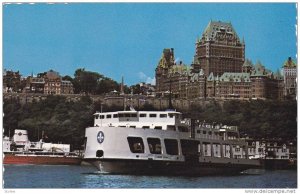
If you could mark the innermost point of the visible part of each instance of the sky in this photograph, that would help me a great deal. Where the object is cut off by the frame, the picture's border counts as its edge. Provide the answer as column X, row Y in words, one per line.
column 127, row 39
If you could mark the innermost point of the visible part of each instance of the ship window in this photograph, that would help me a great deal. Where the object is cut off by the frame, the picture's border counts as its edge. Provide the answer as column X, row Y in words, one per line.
column 136, row 144
column 171, row 127
column 115, row 115
column 96, row 116
column 183, row 129
column 122, row 126
column 171, row 146
column 171, row 115
column 132, row 126
column 163, row 115
column 152, row 115
column 158, row 127
column 145, row 127
column 154, row 145
column 101, row 116
column 133, row 115
column 121, row 115
column 189, row 147
column 108, row 116
column 142, row 115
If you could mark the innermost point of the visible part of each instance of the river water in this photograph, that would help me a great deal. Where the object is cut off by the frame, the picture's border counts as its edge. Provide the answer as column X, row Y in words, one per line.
column 47, row 176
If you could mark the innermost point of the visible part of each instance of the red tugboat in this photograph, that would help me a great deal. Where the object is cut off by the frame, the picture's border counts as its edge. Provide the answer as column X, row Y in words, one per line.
column 20, row 150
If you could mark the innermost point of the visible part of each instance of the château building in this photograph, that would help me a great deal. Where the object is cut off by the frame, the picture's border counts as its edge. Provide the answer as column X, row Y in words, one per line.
column 219, row 50
column 219, row 70
column 290, row 78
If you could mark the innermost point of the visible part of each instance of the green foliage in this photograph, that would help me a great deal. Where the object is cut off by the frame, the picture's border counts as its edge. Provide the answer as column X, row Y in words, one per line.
column 86, row 81
column 59, row 119
column 65, row 121
column 257, row 119
column 92, row 83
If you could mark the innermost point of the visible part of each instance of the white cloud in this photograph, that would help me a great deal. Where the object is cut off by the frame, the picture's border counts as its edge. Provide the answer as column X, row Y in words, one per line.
column 144, row 78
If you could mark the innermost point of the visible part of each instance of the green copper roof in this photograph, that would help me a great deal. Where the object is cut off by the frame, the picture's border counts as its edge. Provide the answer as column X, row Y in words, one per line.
column 259, row 69
column 196, row 76
column 278, row 75
column 181, row 69
column 214, row 27
column 290, row 63
column 235, row 77
column 248, row 63
column 211, row 77
column 167, row 58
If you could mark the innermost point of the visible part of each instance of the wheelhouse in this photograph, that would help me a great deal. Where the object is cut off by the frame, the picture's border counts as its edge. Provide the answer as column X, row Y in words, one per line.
column 160, row 120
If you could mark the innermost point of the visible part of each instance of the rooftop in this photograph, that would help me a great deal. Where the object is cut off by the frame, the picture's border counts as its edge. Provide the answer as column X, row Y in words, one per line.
column 290, row 63
column 215, row 27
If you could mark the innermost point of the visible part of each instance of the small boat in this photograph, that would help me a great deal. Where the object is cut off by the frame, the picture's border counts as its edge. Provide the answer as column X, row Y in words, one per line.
column 161, row 142
column 19, row 150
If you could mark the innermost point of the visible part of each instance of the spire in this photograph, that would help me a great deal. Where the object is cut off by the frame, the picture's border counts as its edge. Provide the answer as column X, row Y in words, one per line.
column 122, row 86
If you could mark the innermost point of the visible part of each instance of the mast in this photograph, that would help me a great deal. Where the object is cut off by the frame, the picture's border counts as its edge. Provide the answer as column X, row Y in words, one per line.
column 170, row 95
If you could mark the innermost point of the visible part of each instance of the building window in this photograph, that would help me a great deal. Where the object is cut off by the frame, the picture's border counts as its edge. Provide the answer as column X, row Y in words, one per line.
column 136, row 144
column 154, row 145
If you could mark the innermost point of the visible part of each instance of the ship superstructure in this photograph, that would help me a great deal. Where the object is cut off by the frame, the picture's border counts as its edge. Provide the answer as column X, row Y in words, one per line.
column 19, row 150
column 161, row 142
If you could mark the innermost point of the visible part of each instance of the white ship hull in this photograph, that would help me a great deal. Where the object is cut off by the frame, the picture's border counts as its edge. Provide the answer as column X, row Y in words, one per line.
column 116, row 157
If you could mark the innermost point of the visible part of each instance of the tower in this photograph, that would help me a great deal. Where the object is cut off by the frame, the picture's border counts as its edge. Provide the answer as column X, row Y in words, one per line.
column 122, row 86
column 290, row 78
column 219, row 50
column 161, row 72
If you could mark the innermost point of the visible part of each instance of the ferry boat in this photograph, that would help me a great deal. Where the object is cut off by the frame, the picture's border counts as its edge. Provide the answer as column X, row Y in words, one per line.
column 20, row 150
column 161, row 142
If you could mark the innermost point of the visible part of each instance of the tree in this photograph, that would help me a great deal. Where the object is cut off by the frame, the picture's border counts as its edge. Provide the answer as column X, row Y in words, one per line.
column 86, row 81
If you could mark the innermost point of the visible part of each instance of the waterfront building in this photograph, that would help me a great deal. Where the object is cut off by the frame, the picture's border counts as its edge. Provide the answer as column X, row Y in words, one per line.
column 52, row 83
column 66, row 87
column 265, row 85
column 219, row 50
column 35, row 84
column 48, row 83
column 268, row 149
column 11, row 81
column 232, row 86
column 290, row 78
